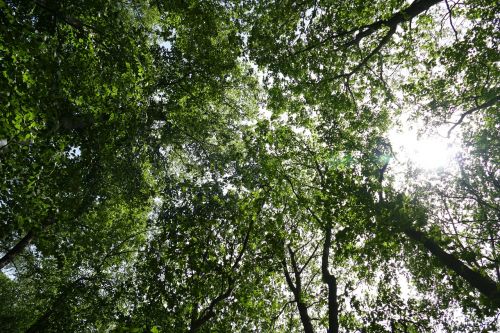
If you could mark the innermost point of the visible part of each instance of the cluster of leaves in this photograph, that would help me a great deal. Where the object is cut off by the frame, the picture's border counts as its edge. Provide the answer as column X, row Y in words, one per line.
column 173, row 166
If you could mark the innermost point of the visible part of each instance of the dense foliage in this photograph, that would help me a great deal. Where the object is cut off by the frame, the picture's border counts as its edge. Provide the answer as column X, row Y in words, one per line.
column 205, row 165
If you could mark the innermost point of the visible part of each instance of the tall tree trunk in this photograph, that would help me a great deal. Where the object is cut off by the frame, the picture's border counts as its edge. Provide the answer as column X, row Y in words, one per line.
column 484, row 284
column 209, row 312
column 296, row 289
column 17, row 249
column 22, row 244
column 304, row 317
column 331, row 281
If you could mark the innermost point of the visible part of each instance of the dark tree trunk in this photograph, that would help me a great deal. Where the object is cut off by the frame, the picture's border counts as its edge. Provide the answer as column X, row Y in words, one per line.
column 331, row 282
column 484, row 284
column 415, row 9
column 304, row 317
column 296, row 289
column 22, row 244
column 17, row 249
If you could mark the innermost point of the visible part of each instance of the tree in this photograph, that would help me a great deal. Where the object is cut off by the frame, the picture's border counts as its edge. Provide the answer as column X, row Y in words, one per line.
column 224, row 166
column 69, row 110
column 358, row 71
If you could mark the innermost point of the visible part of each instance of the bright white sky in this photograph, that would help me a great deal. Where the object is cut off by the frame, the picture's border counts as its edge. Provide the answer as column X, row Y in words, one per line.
column 429, row 152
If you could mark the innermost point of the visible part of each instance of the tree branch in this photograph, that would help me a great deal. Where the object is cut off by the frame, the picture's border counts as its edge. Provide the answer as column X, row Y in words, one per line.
column 485, row 105
column 331, row 282
column 209, row 312
column 21, row 245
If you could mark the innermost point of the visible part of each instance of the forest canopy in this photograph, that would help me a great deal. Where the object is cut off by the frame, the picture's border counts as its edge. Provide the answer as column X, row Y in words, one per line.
column 228, row 166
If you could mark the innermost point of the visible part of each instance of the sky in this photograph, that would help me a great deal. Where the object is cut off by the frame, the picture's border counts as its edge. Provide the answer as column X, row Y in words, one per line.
column 430, row 153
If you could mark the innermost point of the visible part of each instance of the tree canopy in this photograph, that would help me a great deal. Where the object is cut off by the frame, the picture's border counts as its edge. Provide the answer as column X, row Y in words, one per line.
column 227, row 166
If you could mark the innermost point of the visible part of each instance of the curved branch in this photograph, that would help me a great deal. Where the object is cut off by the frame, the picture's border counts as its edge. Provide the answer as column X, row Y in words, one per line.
column 485, row 105
column 407, row 14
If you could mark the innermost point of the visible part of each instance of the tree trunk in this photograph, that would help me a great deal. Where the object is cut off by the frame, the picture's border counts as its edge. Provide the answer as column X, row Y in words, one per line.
column 304, row 317
column 17, row 249
column 22, row 244
column 484, row 284
column 331, row 281
column 296, row 289
column 415, row 9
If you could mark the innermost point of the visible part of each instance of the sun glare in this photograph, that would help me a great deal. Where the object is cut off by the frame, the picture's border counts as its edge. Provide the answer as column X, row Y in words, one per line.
column 430, row 153
column 427, row 153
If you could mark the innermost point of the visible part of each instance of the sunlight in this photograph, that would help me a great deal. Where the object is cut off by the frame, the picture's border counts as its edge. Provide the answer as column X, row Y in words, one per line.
column 429, row 153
